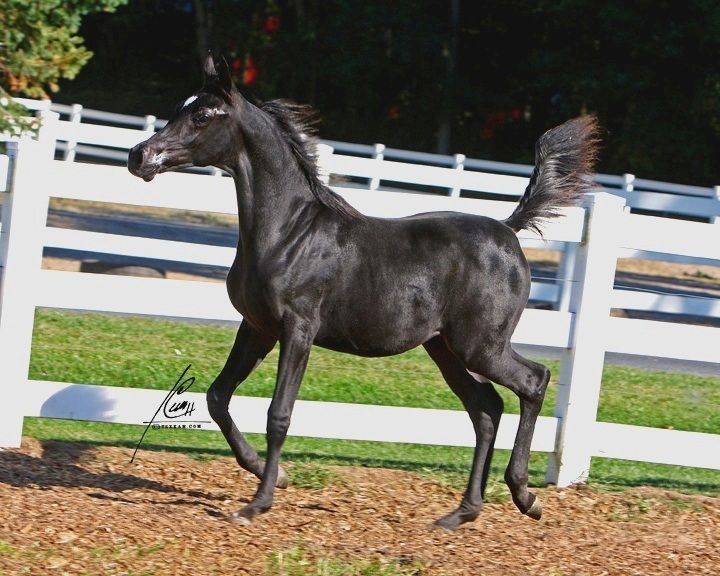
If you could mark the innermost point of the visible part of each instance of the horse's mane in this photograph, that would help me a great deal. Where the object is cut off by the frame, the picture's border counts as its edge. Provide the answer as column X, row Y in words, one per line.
column 297, row 124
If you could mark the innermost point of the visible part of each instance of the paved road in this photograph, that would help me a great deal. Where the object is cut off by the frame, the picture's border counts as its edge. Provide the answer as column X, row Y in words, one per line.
column 221, row 236
column 145, row 228
column 644, row 362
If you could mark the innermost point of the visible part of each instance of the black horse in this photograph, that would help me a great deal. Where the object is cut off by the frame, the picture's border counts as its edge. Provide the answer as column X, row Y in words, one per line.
column 310, row 269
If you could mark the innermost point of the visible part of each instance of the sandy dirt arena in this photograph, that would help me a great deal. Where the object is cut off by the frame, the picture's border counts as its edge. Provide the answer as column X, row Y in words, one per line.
column 78, row 509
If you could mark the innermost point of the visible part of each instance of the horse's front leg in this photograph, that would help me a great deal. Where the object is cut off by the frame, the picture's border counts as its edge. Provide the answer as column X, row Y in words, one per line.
column 295, row 344
column 247, row 353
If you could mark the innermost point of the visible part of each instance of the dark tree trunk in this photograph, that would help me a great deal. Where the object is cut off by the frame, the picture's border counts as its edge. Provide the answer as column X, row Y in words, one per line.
column 450, row 54
column 203, row 30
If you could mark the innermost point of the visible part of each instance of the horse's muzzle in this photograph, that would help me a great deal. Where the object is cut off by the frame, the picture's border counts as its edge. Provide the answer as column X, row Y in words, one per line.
column 140, row 162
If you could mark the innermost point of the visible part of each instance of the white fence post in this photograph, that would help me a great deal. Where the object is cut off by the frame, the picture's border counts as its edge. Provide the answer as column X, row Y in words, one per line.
column 4, row 177
column 459, row 165
column 323, row 152
column 24, row 215
column 149, row 123
column 582, row 364
column 379, row 155
column 628, row 182
column 565, row 268
column 75, row 117
column 48, row 133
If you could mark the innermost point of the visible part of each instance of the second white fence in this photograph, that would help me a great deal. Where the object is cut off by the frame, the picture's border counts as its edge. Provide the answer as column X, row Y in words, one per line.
column 584, row 331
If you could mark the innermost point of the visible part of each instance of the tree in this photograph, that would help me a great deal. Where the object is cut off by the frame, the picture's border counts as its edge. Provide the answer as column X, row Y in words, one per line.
column 39, row 45
column 382, row 71
column 649, row 69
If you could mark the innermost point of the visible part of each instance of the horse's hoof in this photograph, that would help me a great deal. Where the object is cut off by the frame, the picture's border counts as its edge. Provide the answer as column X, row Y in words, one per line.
column 444, row 526
column 283, row 480
column 454, row 520
column 236, row 518
column 535, row 511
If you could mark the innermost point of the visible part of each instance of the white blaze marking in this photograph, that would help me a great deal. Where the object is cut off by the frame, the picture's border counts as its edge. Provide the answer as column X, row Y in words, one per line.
column 190, row 101
column 156, row 159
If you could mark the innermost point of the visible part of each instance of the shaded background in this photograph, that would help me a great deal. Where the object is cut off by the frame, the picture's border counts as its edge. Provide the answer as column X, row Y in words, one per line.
column 482, row 78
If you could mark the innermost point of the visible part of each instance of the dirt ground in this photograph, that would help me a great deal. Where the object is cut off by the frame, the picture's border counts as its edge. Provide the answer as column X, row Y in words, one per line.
column 76, row 509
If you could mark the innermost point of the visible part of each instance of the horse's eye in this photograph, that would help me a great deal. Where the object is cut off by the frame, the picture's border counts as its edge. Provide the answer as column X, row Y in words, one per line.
column 202, row 118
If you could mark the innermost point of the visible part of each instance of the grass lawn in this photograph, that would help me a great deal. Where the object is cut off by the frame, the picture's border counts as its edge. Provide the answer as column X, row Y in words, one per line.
column 149, row 353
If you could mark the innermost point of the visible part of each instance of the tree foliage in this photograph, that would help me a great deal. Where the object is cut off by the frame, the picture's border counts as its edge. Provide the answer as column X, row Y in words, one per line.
column 39, row 45
column 381, row 71
column 650, row 70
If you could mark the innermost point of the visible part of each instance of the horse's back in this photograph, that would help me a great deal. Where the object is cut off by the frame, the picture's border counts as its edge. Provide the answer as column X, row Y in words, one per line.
column 402, row 281
column 453, row 245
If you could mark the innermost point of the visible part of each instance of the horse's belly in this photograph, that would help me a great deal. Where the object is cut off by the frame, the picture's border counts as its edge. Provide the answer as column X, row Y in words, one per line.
column 370, row 335
column 374, row 317
column 374, row 349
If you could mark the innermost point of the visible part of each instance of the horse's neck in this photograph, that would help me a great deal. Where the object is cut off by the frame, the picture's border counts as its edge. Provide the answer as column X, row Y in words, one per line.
column 273, row 195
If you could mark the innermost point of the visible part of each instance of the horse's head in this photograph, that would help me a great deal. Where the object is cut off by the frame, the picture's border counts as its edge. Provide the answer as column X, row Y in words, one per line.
column 198, row 132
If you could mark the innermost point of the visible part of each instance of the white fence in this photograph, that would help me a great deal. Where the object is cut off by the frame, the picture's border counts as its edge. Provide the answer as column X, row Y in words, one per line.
column 391, row 166
column 380, row 168
column 585, row 331
column 102, row 136
column 583, row 328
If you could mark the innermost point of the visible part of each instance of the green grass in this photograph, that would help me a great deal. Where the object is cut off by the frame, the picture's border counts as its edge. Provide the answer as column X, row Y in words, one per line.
column 35, row 554
column 303, row 561
column 6, row 548
column 660, row 399
column 148, row 353
column 313, row 475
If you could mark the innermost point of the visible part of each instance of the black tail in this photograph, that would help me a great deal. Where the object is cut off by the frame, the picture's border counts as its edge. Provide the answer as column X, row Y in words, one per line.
column 564, row 159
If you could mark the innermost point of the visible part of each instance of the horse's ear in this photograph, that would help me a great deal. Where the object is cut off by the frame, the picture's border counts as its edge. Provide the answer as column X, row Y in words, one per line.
column 209, row 67
column 220, row 75
column 226, row 82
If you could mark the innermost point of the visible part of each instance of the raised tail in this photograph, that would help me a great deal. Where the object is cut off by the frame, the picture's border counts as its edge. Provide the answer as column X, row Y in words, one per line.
column 564, row 159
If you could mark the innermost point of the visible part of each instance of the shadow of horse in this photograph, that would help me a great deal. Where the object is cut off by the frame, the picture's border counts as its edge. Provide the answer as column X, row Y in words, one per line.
column 60, row 466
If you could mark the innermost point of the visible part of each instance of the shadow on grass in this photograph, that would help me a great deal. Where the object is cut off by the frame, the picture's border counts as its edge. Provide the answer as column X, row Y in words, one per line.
column 445, row 464
column 61, row 466
column 690, row 486
column 623, row 474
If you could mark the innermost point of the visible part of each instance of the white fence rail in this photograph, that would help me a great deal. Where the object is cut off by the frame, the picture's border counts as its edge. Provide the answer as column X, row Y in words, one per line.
column 380, row 168
column 583, row 329
column 393, row 166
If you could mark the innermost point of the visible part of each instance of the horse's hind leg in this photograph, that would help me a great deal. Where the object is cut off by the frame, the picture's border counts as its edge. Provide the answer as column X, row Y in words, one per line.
column 529, row 381
column 247, row 353
column 485, row 407
column 531, row 392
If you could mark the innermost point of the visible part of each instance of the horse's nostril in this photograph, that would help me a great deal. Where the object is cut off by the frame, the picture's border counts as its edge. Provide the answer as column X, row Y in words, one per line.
column 136, row 157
